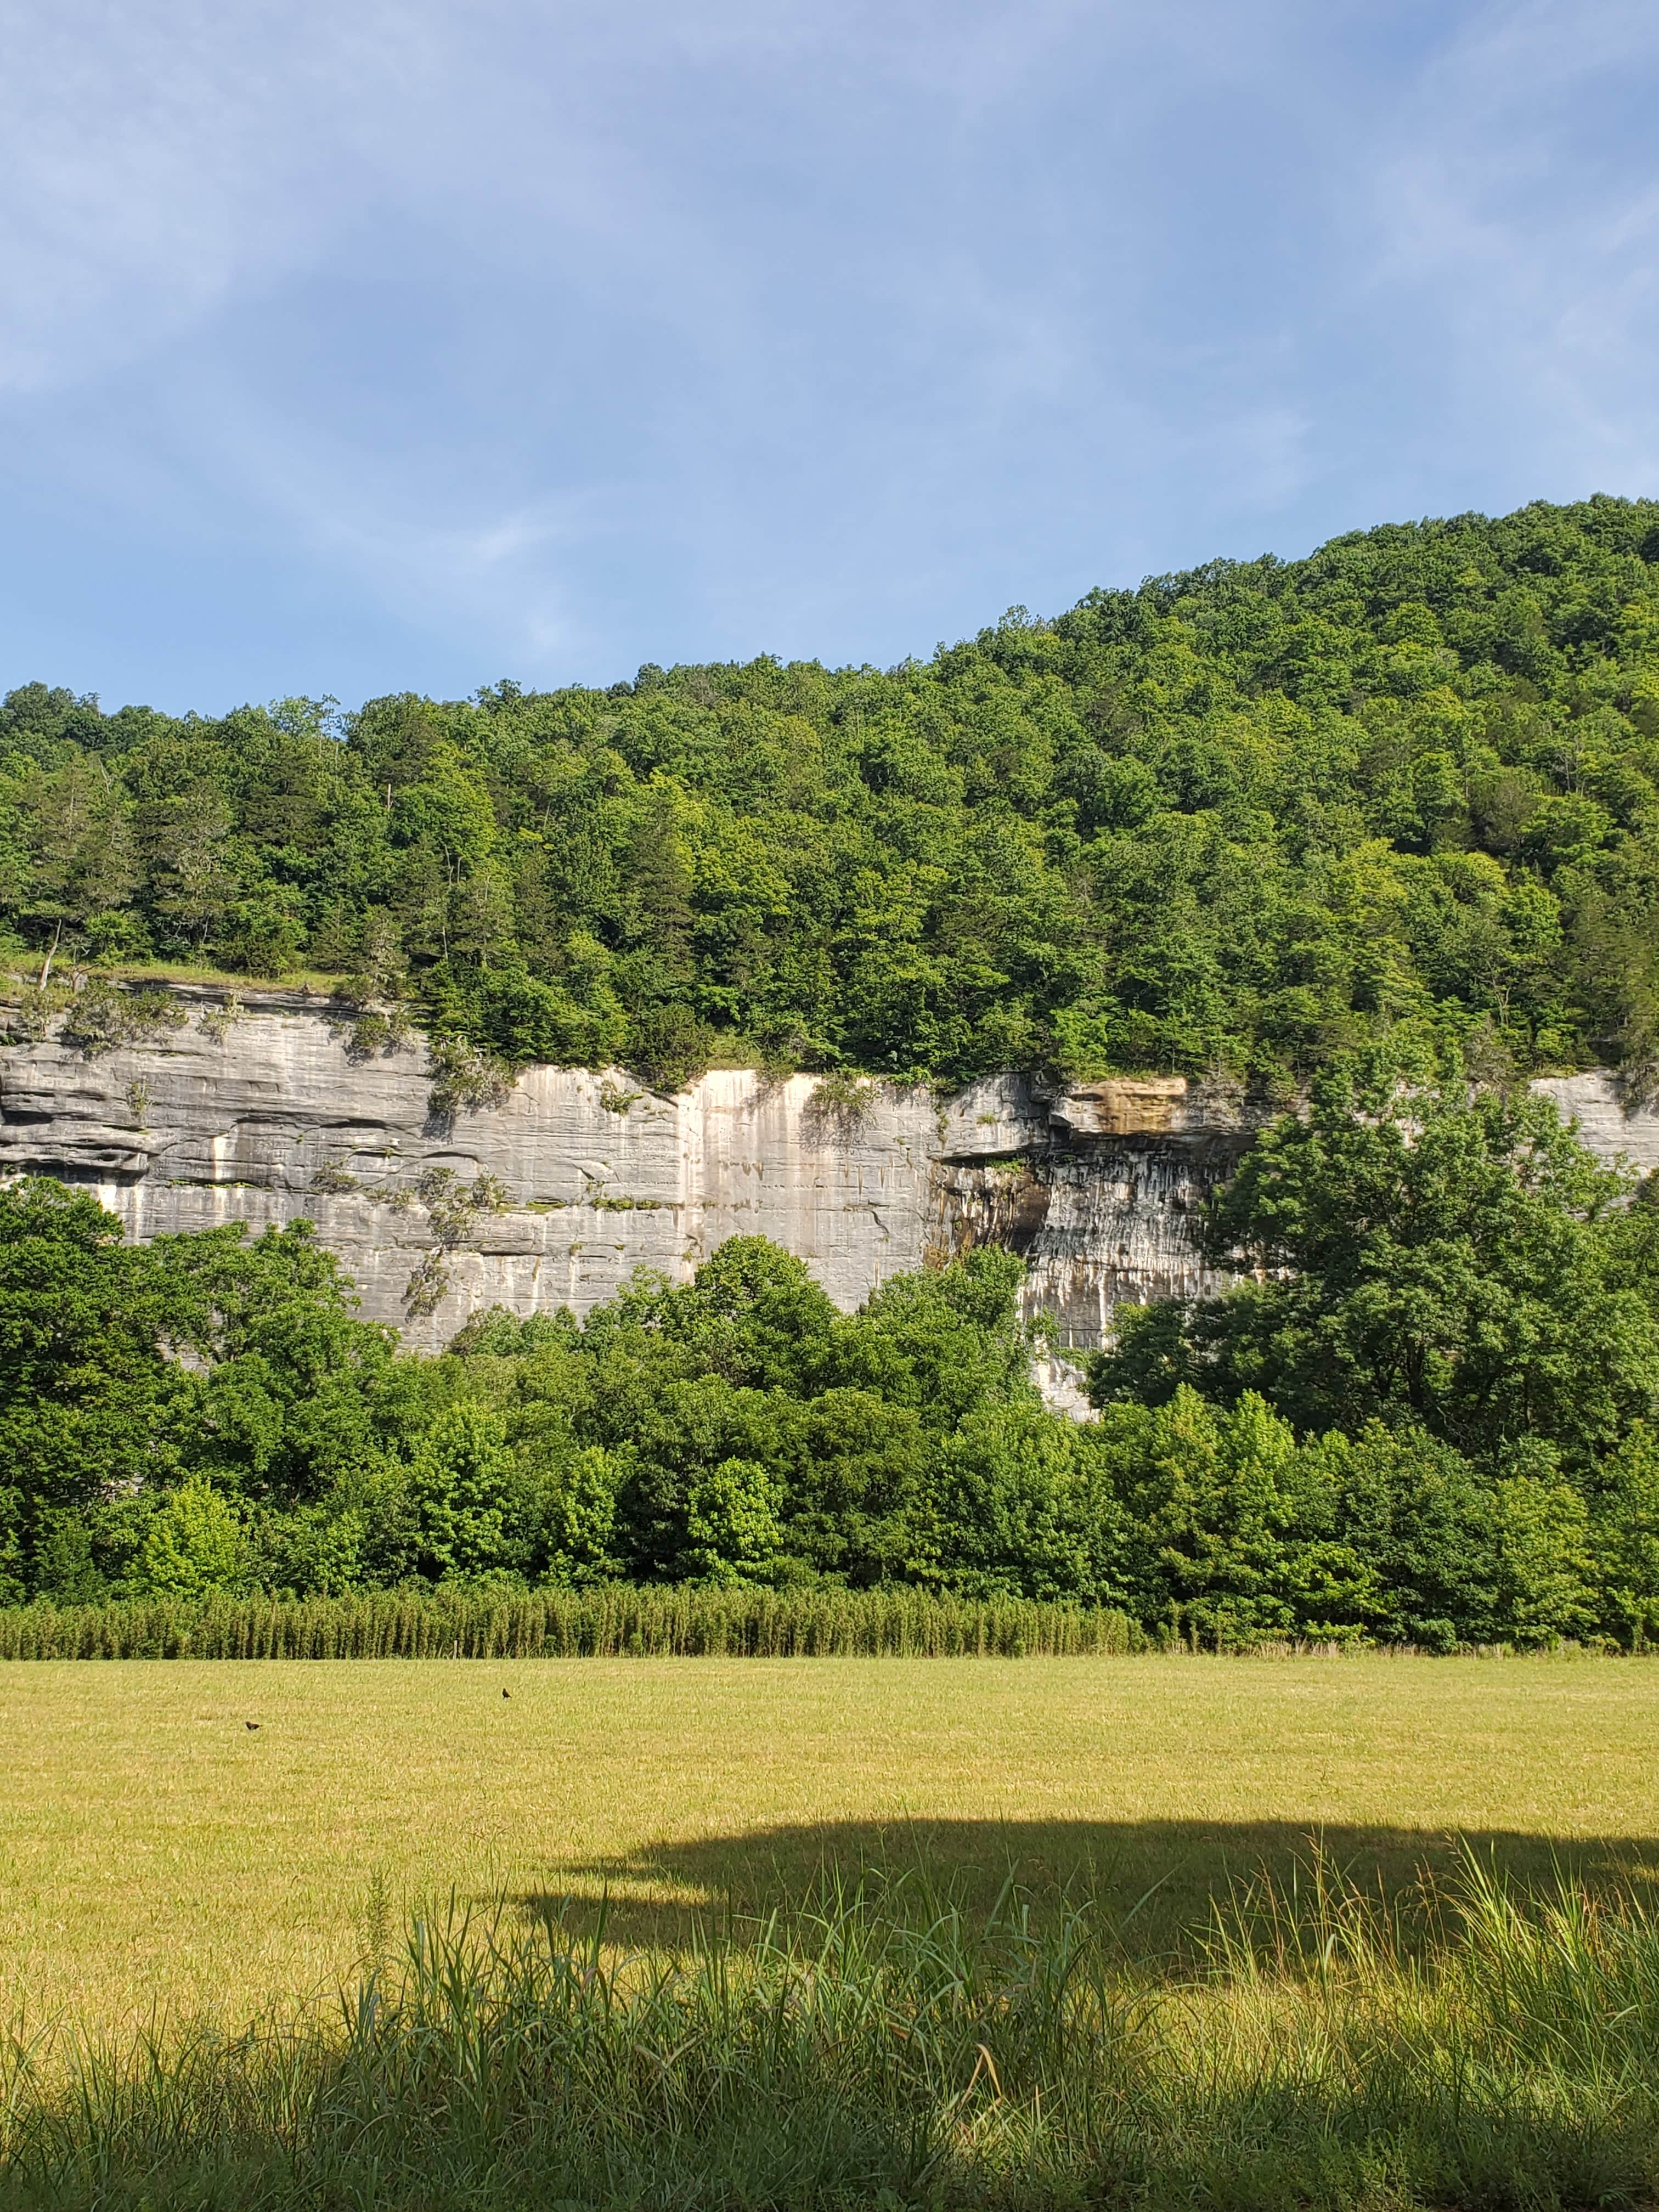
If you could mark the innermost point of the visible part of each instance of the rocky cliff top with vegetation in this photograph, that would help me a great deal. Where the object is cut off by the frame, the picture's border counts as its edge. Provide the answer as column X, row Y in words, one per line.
column 1243, row 817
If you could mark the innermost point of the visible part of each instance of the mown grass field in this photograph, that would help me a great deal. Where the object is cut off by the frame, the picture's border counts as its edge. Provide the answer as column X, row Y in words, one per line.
column 155, row 1850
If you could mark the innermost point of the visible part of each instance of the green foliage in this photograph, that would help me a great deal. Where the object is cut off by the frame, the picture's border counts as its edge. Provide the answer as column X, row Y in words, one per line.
column 1230, row 1526
column 462, row 1486
column 193, row 1546
column 581, row 1518
column 858, row 1502
column 1543, row 1559
column 101, row 1018
column 1456, row 1308
column 88, row 1399
column 1625, row 1540
column 945, row 1341
column 322, row 1547
column 1426, row 1258
column 736, row 1432
column 755, row 1316
column 297, row 1394
column 1421, row 1520
column 464, row 1079
column 1247, row 816
column 731, row 1532
column 1023, row 1506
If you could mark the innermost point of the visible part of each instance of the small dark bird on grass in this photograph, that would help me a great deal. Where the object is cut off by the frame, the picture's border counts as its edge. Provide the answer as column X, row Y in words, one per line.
column 507, row 1693
column 250, row 1724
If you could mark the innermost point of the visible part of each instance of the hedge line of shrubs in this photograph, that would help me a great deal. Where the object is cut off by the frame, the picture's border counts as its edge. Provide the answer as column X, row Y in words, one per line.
column 691, row 1621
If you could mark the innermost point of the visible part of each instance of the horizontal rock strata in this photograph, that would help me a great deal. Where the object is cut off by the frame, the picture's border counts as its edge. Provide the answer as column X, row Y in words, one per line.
column 272, row 1114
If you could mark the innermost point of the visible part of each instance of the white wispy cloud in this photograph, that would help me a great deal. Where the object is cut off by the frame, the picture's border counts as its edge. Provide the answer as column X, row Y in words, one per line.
column 558, row 335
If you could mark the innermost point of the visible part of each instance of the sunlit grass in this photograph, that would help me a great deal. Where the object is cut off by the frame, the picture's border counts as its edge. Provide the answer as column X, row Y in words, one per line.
column 154, row 1849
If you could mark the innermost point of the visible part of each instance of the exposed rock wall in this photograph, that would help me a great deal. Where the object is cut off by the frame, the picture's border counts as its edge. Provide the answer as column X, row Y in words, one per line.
column 1097, row 1186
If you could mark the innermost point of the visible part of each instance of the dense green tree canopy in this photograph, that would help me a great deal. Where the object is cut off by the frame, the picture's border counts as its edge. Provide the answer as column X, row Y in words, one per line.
column 1419, row 1256
column 1247, row 816
column 206, row 1415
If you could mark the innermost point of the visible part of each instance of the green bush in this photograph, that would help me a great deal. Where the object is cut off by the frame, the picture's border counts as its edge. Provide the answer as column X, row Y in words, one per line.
column 732, row 1522
column 192, row 1546
column 1624, row 1540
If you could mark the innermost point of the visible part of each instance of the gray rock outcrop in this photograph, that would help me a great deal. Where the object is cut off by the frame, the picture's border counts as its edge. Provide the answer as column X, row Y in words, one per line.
column 272, row 1114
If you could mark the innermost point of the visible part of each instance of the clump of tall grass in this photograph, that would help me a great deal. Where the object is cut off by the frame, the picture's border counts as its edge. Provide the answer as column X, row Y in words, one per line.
column 613, row 1621
column 887, row 2050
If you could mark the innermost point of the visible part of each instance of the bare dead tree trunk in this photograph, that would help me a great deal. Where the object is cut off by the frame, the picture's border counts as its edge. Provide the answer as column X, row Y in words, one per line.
column 51, row 953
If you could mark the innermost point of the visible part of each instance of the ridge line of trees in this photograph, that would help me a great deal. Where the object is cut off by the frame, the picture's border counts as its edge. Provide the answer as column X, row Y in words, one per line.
column 1250, row 817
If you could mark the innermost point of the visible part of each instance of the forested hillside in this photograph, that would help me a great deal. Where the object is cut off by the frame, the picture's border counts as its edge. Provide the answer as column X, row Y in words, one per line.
column 1245, row 816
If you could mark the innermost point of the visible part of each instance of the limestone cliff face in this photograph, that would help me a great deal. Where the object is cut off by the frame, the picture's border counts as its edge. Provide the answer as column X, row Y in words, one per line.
column 272, row 1115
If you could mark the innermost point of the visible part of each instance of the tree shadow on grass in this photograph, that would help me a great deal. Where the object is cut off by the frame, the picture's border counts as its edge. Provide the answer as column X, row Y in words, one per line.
column 1152, row 1887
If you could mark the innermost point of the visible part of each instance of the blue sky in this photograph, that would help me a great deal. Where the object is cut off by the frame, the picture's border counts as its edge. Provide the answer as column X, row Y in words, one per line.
column 358, row 345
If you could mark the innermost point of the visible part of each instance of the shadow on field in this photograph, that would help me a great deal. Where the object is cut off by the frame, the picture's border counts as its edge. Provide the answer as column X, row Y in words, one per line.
column 1151, row 1886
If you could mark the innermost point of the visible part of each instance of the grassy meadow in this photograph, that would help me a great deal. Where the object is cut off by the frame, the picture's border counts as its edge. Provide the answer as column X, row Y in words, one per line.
column 1347, row 1934
column 155, row 1850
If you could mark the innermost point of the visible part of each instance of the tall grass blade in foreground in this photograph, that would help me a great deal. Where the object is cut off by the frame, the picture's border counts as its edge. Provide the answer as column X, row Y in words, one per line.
column 886, row 2049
